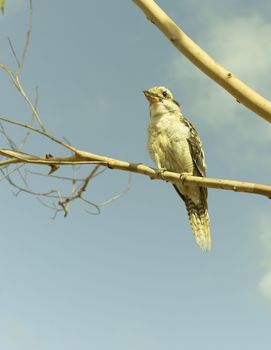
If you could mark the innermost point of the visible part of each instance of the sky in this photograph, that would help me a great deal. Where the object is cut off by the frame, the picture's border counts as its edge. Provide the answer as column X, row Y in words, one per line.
column 133, row 276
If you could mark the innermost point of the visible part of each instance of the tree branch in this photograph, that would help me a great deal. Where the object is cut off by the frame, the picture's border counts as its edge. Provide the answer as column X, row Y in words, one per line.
column 82, row 157
column 204, row 62
column 13, row 159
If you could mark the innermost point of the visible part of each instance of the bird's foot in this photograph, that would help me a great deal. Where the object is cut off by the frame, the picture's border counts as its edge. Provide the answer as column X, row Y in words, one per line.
column 183, row 176
column 161, row 171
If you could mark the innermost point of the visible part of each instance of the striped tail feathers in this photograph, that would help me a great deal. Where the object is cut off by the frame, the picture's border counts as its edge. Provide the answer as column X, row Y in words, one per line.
column 199, row 221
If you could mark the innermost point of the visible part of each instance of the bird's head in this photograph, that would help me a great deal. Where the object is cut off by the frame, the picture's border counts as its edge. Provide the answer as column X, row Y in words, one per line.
column 160, row 99
column 157, row 94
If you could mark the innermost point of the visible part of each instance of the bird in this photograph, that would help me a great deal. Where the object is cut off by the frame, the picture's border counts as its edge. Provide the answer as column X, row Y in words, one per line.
column 174, row 145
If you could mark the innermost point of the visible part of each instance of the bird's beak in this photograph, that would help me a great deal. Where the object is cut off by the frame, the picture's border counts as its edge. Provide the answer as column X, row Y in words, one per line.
column 150, row 96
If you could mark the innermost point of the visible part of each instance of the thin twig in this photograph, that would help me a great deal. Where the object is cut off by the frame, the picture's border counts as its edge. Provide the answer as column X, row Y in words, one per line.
column 51, row 207
column 117, row 196
column 44, row 133
column 7, row 174
column 28, row 132
column 65, row 178
column 27, row 99
column 16, row 81
column 13, row 51
column 27, row 40
column 65, row 203
column 11, row 143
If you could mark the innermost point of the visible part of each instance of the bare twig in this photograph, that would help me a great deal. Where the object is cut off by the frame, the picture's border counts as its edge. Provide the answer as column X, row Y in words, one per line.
column 15, row 76
column 204, row 62
column 7, row 174
column 27, row 189
column 16, row 82
column 51, row 207
column 28, row 132
column 27, row 39
column 11, row 143
column 65, row 178
column 13, row 51
column 44, row 133
column 19, row 87
column 65, row 203
column 14, row 155
column 117, row 196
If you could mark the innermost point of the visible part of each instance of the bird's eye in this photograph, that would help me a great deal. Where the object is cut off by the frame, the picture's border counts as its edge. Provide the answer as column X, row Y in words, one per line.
column 164, row 93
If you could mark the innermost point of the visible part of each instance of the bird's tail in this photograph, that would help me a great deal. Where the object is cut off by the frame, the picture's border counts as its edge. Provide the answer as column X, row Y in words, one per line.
column 199, row 220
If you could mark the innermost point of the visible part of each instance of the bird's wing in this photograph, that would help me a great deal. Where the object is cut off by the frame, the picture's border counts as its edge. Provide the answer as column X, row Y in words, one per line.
column 196, row 150
column 198, row 157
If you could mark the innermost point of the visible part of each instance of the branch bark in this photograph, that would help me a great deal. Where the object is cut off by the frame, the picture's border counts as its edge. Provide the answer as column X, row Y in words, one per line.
column 204, row 62
column 82, row 157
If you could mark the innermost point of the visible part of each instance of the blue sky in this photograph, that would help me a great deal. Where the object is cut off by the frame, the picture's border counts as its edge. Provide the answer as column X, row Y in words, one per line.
column 133, row 277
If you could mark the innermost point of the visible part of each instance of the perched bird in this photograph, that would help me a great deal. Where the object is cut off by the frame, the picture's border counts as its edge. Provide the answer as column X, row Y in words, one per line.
column 174, row 145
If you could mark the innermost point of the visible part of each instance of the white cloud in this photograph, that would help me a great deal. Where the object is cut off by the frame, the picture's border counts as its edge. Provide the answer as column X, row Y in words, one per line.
column 265, row 285
column 243, row 45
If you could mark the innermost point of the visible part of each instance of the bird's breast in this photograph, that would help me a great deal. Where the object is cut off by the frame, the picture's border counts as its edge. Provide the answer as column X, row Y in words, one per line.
column 167, row 143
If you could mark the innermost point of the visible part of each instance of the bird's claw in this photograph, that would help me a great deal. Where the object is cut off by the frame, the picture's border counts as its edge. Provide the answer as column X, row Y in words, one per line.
column 160, row 172
column 183, row 176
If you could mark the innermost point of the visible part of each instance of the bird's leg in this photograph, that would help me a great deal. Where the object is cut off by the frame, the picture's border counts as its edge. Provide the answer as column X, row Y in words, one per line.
column 161, row 170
